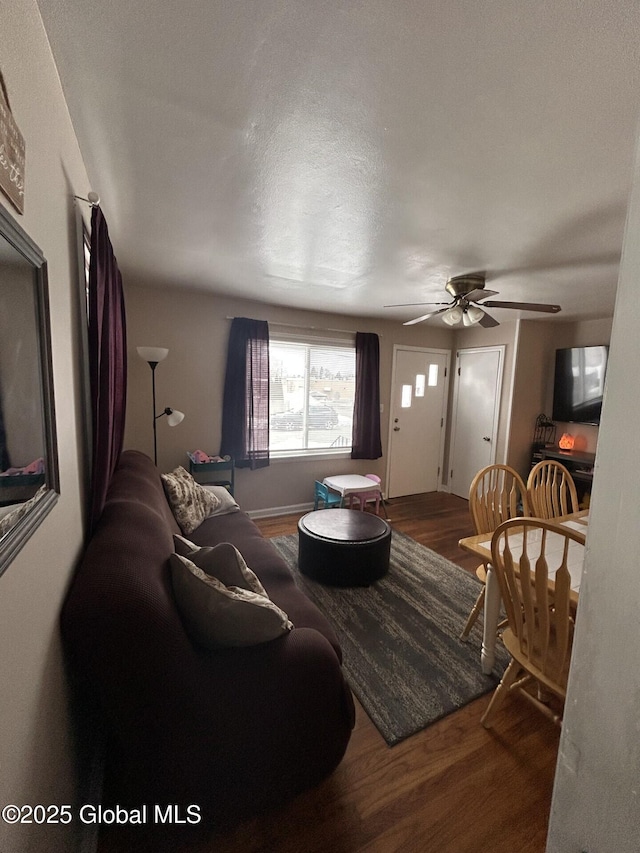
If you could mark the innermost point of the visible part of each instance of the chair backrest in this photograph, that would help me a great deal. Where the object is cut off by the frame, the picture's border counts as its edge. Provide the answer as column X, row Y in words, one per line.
column 526, row 554
column 551, row 490
column 497, row 493
column 321, row 491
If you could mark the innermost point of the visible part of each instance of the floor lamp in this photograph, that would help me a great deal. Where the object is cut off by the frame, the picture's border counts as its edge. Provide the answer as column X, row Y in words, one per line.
column 153, row 355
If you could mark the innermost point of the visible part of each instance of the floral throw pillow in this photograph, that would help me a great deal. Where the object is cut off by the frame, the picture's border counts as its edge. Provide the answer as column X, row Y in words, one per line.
column 190, row 502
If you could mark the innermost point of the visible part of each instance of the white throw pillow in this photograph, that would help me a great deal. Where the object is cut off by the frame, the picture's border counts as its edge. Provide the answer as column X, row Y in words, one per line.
column 220, row 615
column 227, row 502
column 190, row 502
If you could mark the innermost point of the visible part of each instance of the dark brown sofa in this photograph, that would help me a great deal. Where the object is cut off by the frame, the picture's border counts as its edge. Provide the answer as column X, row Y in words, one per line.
column 234, row 731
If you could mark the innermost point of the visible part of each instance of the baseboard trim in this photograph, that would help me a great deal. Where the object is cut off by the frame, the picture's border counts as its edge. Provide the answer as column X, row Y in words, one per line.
column 268, row 512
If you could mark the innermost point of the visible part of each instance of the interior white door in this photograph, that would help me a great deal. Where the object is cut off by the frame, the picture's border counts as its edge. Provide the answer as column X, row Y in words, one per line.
column 476, row 405
column 417, row 416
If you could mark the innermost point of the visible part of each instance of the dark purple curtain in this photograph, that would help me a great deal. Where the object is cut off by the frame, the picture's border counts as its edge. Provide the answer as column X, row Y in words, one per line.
column 245, row 409
column 107, row 361
column 365, row 442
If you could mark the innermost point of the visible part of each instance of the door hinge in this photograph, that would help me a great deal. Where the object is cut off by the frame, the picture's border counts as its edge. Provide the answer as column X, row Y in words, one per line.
column 451, row 474
column 441, row 422
column 458, row 371
column 445, row 373
column 438, row 470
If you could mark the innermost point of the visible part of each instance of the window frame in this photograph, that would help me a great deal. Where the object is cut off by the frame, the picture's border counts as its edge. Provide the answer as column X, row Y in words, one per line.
column 308, row 342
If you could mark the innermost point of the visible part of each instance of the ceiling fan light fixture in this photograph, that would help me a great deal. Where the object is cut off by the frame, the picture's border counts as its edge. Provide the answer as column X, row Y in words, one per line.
column 472, row 315
column 453, row 316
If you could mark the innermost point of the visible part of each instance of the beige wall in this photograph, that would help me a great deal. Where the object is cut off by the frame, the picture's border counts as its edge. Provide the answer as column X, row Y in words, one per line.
column 533, row 382
column 584, row 334
column 595, row 800
column 534, row 367
column 37, row 748
column 195, row 328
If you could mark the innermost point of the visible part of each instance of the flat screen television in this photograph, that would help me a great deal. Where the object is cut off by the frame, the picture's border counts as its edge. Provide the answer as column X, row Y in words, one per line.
column 579, row 384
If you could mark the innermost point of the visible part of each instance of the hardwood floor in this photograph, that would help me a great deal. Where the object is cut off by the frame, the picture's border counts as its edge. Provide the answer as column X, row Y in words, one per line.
column 452, row 788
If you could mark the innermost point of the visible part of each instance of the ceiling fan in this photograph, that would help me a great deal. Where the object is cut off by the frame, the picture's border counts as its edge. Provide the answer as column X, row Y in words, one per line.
column 467, row 291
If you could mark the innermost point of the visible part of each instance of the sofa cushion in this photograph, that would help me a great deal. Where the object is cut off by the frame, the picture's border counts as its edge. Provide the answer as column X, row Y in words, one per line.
column 275, row 576
column 227, row 502
column 217, row 615
column 190, row 502
column 223, row 561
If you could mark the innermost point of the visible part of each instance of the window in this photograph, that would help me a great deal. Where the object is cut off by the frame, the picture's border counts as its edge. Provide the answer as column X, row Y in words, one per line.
column 311, row 394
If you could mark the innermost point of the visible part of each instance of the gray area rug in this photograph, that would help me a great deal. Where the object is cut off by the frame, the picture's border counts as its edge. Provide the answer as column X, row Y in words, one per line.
column 400, row 637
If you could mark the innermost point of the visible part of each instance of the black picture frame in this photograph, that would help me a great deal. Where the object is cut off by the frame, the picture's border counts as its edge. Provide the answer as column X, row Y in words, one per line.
column 16, row 245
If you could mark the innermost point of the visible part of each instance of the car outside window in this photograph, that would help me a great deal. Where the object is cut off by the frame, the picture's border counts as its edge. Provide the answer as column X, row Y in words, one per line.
column 311, row 392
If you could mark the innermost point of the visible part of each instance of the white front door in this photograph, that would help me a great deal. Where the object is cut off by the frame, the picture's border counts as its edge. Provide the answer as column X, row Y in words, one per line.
column 476, row 405
column 417, row 420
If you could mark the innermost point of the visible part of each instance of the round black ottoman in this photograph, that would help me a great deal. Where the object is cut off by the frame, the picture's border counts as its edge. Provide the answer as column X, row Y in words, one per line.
column 343, row 547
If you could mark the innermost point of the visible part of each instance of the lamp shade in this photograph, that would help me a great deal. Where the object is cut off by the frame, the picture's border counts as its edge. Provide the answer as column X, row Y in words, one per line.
column 453, row 316
column 153, row 354
column 472, row 315
column 175, row 417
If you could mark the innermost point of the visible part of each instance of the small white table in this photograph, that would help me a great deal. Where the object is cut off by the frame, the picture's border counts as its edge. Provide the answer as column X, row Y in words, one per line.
column 480, row 546
column 350, row 484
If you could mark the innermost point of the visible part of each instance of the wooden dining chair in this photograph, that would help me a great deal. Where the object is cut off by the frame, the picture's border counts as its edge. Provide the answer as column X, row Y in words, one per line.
column 496, row 494
column 551, row 490
column 531, row 558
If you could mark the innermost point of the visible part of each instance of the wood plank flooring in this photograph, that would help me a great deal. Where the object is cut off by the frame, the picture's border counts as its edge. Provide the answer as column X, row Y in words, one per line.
column 452, row 788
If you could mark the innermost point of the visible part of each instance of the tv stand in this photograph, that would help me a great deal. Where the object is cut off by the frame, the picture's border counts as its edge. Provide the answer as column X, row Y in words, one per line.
column 578, row 462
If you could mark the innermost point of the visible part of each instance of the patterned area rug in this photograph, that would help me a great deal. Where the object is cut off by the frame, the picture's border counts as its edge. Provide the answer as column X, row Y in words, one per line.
column 400, row 637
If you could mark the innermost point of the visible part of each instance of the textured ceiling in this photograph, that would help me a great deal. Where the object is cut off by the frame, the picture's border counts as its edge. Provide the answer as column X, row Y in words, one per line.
column 343, row 155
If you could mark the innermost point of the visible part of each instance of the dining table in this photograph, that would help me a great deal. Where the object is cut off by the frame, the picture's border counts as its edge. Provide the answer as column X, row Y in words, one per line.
column 480, row 546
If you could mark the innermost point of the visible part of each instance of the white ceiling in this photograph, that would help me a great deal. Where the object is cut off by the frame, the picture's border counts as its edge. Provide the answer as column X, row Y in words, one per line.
column 344, row 154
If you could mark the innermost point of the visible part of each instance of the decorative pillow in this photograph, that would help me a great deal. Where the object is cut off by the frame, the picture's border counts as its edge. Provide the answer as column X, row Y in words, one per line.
column 219, row 616
column 227, row 502
column 223, row 562
column 190, row 502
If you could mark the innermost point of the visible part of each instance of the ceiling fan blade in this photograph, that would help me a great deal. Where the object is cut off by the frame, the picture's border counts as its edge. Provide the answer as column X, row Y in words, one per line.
column 481, row 293
column 426, row 316
column 409, row 304
column 524, row 306
column 488, row 322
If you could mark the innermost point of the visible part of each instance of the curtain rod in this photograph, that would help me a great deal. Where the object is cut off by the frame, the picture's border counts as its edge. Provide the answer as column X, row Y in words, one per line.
column 92, row 198
column 310, row 328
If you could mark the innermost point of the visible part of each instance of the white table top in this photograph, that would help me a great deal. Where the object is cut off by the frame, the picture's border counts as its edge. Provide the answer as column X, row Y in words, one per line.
column 555, row 544
column 346, row 484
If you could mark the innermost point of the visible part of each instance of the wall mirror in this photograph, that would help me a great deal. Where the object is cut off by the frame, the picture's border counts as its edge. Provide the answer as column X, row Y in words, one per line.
column 29, row 484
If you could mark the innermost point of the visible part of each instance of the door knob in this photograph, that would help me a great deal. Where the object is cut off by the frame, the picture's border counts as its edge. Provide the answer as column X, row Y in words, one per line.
column 486, row 438
column 396, row 429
